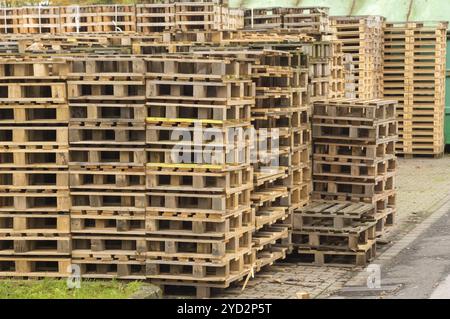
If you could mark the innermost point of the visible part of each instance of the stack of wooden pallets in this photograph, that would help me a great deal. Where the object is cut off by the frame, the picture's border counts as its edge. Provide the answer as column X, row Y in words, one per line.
column 34, row 184
column 75, row 44
column 11, row 20
column 199, row 178
column 107, row 165
column 152, row 16
column 308, row 20
column 188, row 15
column 40, row 20
column 353, row 153
column 414, row 74
column 353, row 160
column 362, row 37
column 98, row 18
column 281, row 120
column 335, row 233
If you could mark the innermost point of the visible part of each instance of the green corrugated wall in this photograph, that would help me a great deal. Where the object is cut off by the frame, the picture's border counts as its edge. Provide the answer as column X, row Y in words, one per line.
column 393, row 10
column 447, row 97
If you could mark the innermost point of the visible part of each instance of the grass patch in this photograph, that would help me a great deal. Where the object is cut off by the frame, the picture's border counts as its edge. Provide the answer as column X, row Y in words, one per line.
column 57, row 289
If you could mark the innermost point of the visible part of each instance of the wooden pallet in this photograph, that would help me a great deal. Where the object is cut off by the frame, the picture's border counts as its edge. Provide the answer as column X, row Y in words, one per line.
column 354, row 188
column 34, row 267
column 37, row 68
column 14, row 180
column 39, row 92
column 102, row 222
column 126, row 179
column 271, row 235
column 269, row 256
column 37, row 201
column 160, row 177
column 335, row 214
column 35, row 245
column 111, row 158
column 359, row 152
column 200, row 271
column 36, row 136
column 34, row 224
column 40, row 114
column 103, row 67
column 210, row 249
column 107, row 90
column 110, row 269
column 201, row 202
column 107, row 113
column 107, row 200
column 33, row 157
column 108, row 248
column 200, row 225
column 352, row 132
column 350, row 239
column 354, row 168
column 98, row 134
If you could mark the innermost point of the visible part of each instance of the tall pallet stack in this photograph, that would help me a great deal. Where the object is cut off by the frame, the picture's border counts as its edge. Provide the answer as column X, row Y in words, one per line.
column 107, row 165
column 353, row 153
column 312, row 21
column 281, row 120
column 353, row 162
column 362, row 37
column 414, row 74
column 34, row 184
column 281, row 141
column 320, row 64
column 337, row 71
column 199, row 178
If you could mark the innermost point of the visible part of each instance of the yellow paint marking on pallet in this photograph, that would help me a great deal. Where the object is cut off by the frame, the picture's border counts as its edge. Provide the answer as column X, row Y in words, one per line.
column 180, row 120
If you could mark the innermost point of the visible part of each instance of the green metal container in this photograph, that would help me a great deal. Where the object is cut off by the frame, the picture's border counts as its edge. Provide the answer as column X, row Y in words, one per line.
column 447, row 97
column 447, row 108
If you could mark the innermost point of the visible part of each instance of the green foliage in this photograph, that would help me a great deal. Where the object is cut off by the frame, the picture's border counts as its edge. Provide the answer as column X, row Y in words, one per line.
column 57, row 289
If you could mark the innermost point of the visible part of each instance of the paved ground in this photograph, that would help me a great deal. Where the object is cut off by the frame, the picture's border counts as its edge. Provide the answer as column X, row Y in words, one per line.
column 414, row 262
